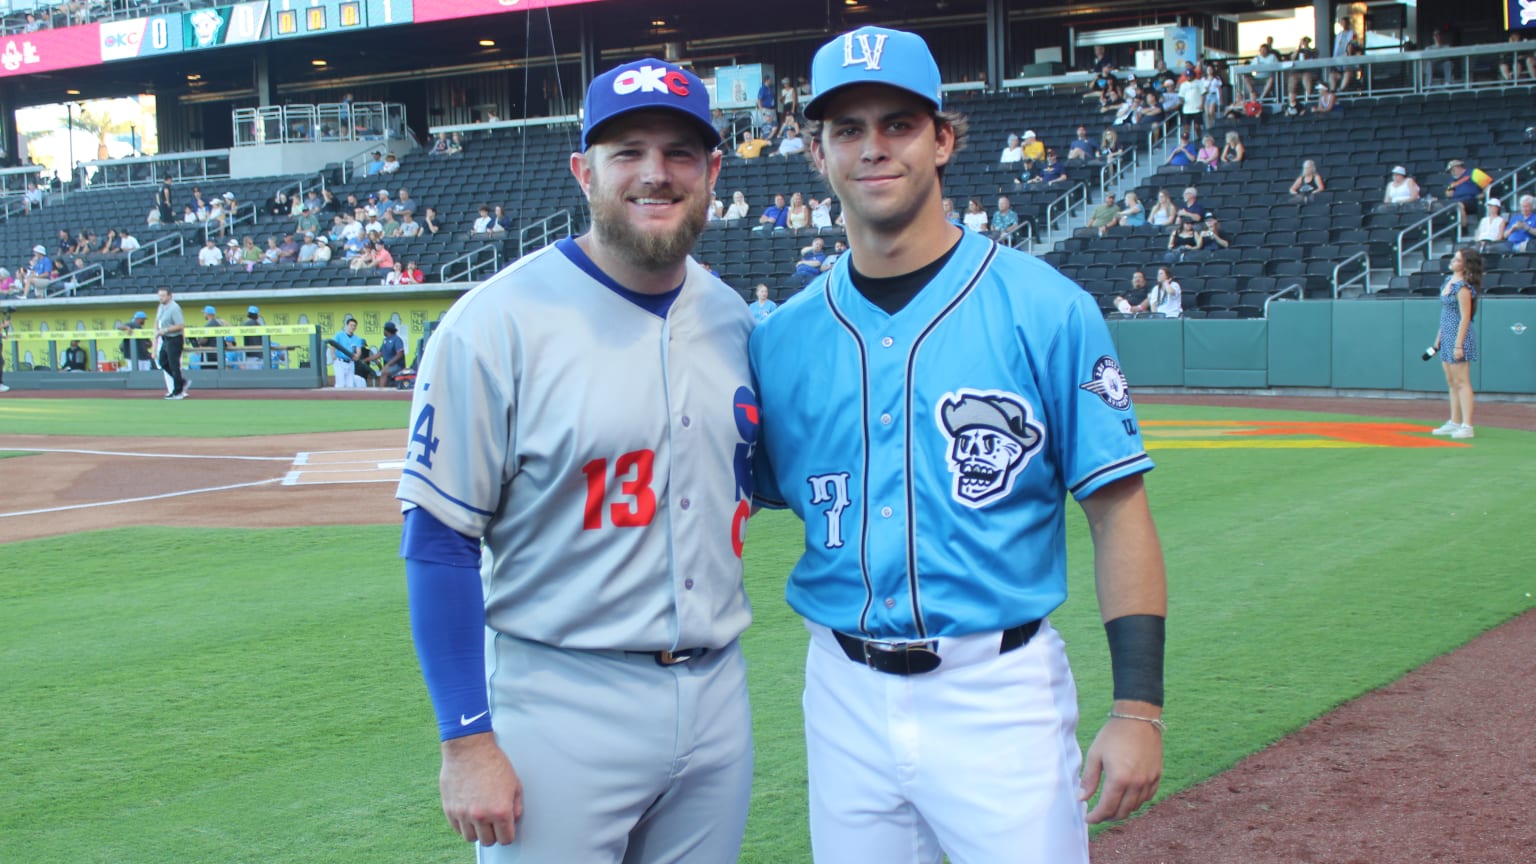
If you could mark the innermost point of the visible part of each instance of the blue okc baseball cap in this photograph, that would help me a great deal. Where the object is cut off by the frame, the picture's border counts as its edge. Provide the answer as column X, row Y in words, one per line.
column 209, row 310
column 139, row 315
column 643, row 84
column 874, row 55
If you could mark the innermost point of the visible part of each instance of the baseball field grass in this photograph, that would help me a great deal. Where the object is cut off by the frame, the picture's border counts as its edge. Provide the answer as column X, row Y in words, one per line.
column 252, row 696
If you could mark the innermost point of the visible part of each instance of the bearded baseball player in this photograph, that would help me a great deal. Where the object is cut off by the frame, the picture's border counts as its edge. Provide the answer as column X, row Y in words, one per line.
column 580, row 449
column 927, row 405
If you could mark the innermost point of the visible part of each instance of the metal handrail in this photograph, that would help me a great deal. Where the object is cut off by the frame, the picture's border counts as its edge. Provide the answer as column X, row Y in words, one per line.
column 1294, row 288
column 251, row 214
column 1363, row 277
column 350, row 165
column 1065, row 200
column 1117, row 168
column 1431, row 234
column 1512, row 179
column 1415, row 61
column 161, row 248
column 536, row 235
column 72, row 283
column 473, row 261
column 128, row 171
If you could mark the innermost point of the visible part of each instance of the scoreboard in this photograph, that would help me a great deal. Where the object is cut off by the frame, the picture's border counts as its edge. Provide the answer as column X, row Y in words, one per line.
column 234, row 24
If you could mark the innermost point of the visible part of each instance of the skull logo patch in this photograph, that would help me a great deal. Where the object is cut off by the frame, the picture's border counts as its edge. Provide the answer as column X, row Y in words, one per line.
column 992, row 436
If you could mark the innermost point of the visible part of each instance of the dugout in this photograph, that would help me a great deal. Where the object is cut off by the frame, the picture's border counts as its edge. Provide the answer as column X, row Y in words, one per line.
column 284, row 359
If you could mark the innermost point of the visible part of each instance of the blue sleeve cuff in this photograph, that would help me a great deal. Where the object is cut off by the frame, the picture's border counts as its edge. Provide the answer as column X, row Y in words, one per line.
column 448, row 627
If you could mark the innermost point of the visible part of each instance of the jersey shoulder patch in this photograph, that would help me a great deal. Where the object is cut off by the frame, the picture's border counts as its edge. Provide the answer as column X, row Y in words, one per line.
column 1108, row 383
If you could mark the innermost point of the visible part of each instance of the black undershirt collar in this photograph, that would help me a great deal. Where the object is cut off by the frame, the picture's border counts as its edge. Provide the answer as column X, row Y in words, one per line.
column 893, row 293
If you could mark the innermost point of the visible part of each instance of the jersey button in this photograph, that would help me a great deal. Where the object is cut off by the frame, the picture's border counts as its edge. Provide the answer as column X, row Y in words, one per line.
column 688, row 583
column 890, row 602
column 687, row 421
column 683, row 504
column 887, row 342
column 886, row 512
column 885, row 419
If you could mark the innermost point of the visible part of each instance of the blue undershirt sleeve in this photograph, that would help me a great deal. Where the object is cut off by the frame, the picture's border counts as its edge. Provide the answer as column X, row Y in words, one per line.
column 442, row 575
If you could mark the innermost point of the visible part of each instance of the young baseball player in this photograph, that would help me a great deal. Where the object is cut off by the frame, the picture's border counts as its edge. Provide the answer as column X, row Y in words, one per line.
column 975, row 388
column 588, row 415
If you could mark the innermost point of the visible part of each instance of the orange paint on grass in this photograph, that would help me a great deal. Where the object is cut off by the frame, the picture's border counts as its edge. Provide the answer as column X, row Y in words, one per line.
column 1389, row 434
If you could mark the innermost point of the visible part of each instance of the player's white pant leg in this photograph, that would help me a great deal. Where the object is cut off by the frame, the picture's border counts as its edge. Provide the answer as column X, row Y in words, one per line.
column 601, row 742
column 985, row 752
column 858, row 807
column 170, row 383
column 344, row 371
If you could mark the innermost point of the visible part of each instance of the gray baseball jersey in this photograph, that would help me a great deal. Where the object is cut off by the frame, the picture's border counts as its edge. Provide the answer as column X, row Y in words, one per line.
column 602, row 451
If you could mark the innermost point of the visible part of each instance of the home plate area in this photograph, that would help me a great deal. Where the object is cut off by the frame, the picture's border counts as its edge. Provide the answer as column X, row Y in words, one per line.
column 345, row 466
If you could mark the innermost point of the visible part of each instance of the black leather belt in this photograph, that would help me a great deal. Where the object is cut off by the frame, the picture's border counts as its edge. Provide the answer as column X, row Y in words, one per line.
column 672, row 658
column 915, row 658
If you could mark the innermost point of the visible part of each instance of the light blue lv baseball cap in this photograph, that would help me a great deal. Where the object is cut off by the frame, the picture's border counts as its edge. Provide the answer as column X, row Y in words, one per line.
column 642, row 84
column 209, row 310
column 874, row 55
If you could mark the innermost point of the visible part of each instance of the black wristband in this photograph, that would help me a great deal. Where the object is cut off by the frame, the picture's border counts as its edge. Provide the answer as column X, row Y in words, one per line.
column 1136, row 657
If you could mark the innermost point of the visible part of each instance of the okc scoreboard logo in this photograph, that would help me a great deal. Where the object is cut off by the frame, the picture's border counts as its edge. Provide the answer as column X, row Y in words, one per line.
column 992, row 436
column 651, row 79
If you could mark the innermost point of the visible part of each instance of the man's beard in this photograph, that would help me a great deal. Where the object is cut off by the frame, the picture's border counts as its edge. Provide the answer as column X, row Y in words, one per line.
column 645, row 250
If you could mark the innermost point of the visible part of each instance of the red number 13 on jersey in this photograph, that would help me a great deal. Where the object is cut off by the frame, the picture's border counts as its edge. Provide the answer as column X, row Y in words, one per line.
column 632, row 473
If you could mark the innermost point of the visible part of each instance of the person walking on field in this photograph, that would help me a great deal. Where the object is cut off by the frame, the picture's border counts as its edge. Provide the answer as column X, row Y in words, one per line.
column 589, row 415
column 169, row 327
column 1456, row 340
column 927, row 406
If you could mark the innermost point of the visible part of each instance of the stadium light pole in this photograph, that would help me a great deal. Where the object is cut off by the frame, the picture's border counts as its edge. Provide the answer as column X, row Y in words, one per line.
column 69, row 113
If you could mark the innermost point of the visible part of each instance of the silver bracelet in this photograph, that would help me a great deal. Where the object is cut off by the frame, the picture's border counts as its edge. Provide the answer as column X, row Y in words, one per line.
column 1161, row 726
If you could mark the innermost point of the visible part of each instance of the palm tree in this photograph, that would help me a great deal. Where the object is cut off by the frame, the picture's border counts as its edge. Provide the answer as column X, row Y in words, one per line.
column 102, row 126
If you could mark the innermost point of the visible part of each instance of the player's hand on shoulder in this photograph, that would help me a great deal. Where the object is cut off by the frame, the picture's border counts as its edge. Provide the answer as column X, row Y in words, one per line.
column 1128, row 756
column 482, row 797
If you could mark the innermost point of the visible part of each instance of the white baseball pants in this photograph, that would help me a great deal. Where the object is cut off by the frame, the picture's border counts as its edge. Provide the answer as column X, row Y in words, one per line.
column 346, row 374
column 977, row 759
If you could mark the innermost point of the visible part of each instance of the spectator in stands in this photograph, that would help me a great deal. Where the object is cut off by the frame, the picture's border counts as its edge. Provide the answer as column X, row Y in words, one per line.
column 65, row 245
column 455, row 144
column 1182, row 243
column 1034, row 148
column 774, row 217
column 329, row 203
column 811, row 258
column 288, row 250
column 1166, row 297
column 751, row 145
column 391, row 164
column 34, row 24
column 382, row 257
column 1102, row 217
column 412, row 274
column 250, row 254
column 440, row 144
column 216, row 214
column 1522, row 225
column 199, row 204
column 738, row 209
column 483, row 221
column 1402, row 191
column 209, row 255
column 1135, row 299
column 1190, row 210
column 762, row 307
column 1308, row 184
column 1439, row 41
column 430, row 222
column 1303, row 81
column 409, row 227
column 1260, row 83
column 1184, row 154
column 1213, row 87
column 1232, row 150
column 1462, row 191
column 1054, row 173
column 1326, row 99
column 1164, row 213
column 403, row 202
column 767, row 113
column 1151, row 111
column 1012, row 152
column 389, row 228
column 232, row 252
column 1169, row 97
column 1005, row 221
column 1293, row 106
column 1490, row 229
column 839, row 249
column 1132, row 214
column 307, row 250
column 311, row 203
column 792, row 144
column 39, row 273
column 373, row 226
column 189, row 216
column 1127, row 110
column 1208, row 155
column 363, row 257
column 8, row 283
column 375, row 164
column 1509, row 67
column 1192, row 102
column 799, row 215
column 1109, row 145
column 278, row 205
column 821, row 213
column 1082, row 147
column 975, row 217
column 75, row 358
column 948, row 204
column 1345, row 45
column 308, row 222
column 1102, row 66
column 1211, row 238
column 322, row 251
column 1111, row 97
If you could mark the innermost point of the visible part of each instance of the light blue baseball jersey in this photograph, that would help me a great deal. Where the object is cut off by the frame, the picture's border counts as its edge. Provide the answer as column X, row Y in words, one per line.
column 930, row 452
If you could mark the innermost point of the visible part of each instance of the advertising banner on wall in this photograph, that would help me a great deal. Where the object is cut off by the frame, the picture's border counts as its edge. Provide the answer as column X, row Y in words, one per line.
column 1181, row 45
column 46, row 50
column 442, row 10
column 142, row 37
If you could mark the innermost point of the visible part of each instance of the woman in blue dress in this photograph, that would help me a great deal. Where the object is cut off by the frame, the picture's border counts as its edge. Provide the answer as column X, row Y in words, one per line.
column 1456, row 341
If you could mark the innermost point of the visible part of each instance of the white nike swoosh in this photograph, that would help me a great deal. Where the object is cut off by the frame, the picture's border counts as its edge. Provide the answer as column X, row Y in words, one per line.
column 465, row 721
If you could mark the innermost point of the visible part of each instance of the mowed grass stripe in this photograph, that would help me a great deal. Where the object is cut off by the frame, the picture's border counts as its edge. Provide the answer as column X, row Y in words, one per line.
column 177, row 695
column 150, row 415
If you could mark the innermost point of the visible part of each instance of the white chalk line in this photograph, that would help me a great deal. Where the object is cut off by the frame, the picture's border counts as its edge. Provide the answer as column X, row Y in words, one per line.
column 3, row 446
column 139, row 500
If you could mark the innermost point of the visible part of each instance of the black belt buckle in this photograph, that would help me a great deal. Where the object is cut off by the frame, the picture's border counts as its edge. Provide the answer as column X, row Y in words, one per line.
column 672, row 658
column 903, row 658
